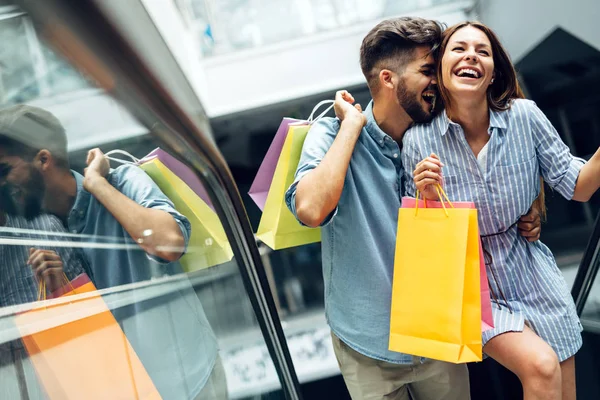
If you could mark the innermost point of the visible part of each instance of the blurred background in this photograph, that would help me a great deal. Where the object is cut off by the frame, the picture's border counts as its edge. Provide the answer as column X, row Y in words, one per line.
column 253, row 62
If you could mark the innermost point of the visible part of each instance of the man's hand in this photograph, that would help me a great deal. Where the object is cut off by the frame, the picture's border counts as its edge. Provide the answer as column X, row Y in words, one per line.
column 97, row 168
column 47, row 266
column 530, row 225
column 427, row 175
column 345, row 110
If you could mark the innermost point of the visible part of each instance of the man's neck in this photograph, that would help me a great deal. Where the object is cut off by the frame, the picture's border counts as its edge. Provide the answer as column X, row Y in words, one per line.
column 391, row 118
column 470, row 113
column 60, row 194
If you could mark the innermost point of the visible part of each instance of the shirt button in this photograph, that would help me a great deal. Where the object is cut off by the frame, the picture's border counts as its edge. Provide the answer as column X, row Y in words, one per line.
column 395, row 155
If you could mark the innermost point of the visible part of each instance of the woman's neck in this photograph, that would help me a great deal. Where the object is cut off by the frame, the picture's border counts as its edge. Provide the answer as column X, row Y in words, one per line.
column 470, row 113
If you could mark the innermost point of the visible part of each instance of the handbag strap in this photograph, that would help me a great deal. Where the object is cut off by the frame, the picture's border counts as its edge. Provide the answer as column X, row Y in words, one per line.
column 441, row 195
column 319, row 104
column 134, row 159
column 42, row 286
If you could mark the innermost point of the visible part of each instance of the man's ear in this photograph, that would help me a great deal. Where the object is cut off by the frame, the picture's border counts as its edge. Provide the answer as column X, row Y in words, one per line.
column 44, row 159
column 386, row 79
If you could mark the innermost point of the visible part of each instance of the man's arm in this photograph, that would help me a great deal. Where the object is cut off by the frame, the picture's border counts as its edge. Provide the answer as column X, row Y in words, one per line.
column 156, row 231
column 319, row 191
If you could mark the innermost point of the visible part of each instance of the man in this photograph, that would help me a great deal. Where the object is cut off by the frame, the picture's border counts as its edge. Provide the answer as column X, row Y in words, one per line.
column 125, row 210
column 349, row 182
column 20, row 284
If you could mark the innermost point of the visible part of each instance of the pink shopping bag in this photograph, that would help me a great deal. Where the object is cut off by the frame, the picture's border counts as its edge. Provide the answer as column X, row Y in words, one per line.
column 262, row 182
column 487, row 320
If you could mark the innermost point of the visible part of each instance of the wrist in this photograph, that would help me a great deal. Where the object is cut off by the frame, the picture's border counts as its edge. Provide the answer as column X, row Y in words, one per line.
column 92, row 181
column 354, row 122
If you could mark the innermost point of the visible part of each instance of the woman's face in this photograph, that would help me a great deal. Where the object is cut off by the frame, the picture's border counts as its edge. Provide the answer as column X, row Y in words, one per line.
column 468, row 63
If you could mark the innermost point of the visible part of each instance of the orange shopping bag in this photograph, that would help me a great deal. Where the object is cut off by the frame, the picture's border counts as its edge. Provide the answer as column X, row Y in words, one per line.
column 79, row 350
column 436, row 293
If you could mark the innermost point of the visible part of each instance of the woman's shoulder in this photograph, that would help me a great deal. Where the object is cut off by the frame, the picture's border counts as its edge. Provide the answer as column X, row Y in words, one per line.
column 521, row 107
column 430, row 130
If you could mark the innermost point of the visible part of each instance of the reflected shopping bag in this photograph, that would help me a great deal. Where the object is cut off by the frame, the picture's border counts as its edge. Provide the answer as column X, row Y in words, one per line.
column 278, row 228
column 436, row 294
column 79, row 350
column 208, row 245
column 487, row 320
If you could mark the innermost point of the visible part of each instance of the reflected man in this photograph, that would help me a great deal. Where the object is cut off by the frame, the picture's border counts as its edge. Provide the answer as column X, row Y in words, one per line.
column 169, row 331
column 19, row 283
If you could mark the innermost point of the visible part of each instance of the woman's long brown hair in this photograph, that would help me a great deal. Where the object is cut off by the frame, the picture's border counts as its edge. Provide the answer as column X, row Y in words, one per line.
column 504, row 89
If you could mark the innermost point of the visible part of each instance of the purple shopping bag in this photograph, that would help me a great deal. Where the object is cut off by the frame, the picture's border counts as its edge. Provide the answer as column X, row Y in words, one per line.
column 181, row 170
column 487, row 320
column 262, row 182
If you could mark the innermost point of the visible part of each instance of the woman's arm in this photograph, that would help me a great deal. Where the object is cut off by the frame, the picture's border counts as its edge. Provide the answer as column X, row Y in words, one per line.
column 588, row 180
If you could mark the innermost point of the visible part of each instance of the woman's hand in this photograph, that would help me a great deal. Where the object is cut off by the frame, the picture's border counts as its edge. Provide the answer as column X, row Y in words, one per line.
column 427, row 175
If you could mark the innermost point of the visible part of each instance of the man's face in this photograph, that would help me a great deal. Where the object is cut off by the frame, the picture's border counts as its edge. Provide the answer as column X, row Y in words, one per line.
column 417, row 90
column 21, row 187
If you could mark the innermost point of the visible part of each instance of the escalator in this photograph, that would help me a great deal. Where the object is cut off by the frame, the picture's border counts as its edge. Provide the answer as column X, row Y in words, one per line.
column 122, row 56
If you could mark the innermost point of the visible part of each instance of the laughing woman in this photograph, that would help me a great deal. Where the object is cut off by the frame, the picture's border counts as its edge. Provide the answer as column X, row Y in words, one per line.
column 491, row 145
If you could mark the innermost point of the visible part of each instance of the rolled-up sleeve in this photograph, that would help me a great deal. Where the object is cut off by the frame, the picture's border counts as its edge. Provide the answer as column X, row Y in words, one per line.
column 134, row 183
column 559, row 167
column 318, row 141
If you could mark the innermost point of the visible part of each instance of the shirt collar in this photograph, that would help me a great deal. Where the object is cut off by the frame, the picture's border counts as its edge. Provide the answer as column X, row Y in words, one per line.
column 372, row 128
column 497, row 120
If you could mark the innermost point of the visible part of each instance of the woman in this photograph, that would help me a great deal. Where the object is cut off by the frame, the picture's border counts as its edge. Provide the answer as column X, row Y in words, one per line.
column 492, row 146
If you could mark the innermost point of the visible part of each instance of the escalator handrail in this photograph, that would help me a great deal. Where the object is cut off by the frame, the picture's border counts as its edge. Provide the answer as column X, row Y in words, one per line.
column 110, row 50
column 588, row 269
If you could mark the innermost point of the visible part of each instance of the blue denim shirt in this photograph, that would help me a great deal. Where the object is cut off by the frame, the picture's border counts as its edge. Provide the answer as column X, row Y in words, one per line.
column 170, row 334
column 358, row 238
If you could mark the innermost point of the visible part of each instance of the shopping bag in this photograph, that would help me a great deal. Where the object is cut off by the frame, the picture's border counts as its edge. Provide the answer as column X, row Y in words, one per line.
column 436, row 294
column 262, row 181
column 208, row 244
column 79, row 351
column 487, row 320
column 278, row 228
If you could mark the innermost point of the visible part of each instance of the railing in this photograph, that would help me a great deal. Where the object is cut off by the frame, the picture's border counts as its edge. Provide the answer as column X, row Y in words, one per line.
column 116, row 43
column 588, row 270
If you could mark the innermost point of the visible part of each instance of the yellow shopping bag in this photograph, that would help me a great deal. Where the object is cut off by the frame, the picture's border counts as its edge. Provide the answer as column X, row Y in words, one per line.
column 278, row 228
column 436, row 296
column 208, row 245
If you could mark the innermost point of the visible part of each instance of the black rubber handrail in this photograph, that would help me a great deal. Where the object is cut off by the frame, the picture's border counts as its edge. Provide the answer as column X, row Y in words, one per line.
column 588, row 269
column 116, row 43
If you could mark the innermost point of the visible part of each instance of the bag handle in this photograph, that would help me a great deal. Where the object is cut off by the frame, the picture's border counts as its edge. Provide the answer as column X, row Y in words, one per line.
column 441, row 195
column 42, row 286
column 319, row 104
column 123, row 153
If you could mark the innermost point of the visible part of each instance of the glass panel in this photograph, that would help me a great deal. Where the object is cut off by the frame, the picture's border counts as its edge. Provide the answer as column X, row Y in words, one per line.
column 95, row 299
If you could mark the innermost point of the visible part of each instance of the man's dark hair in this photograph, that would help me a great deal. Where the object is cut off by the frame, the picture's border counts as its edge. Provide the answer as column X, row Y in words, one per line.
column 392, row 43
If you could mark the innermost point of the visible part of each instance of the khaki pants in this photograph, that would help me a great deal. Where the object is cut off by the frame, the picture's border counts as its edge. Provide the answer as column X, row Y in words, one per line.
column 370, row 379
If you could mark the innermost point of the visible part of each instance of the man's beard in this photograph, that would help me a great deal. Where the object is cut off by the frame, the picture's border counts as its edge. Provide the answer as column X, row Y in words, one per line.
column 26, row 200
column 409, row 100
